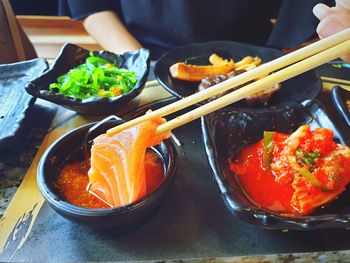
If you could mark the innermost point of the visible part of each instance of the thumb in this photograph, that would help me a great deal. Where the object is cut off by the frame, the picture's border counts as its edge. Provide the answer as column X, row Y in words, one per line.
column 321, row 11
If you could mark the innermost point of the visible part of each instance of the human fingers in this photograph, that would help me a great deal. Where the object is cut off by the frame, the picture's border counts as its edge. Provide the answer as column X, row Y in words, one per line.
column 344, row 4
column 321, row 11
column 333, row 24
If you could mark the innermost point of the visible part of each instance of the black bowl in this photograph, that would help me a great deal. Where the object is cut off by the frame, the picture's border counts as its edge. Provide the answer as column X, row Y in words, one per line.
column 55, row 156
column 71, row 56
column 302, row 87
column 227, row 131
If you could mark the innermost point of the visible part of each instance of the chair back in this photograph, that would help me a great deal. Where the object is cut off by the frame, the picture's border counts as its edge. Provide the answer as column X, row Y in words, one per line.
column 14, row 43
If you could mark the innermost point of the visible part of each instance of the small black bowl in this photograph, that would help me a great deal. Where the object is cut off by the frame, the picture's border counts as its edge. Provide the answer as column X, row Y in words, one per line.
column 71, row 56
column 227, row 131
column 56, row 155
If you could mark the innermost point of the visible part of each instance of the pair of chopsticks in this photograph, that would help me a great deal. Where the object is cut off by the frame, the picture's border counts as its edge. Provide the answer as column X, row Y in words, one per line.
column 288, row 66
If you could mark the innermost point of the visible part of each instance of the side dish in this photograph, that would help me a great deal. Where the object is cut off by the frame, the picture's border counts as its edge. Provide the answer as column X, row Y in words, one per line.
column 218, row 66
column 189, row 72
column 220, row 70
column 293, row 174
column 120, row 170
column 96, row 77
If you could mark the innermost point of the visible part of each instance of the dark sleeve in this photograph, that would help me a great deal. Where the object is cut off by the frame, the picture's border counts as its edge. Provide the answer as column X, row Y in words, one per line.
column 295, row 23
column 79, row 9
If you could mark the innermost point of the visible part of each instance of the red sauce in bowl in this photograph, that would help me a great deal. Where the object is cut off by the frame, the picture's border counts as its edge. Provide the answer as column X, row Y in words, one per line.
column 71, row 183
column 260, row 184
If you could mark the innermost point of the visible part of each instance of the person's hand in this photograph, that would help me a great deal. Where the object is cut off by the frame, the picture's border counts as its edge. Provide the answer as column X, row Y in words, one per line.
column 333, row 19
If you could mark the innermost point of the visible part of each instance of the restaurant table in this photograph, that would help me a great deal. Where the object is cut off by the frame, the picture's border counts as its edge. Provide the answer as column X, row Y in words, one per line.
column 192, row 223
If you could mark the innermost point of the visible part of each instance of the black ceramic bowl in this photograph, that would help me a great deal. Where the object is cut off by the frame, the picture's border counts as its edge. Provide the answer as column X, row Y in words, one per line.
column 227, row 131
column 55, row 156
column 71, row 56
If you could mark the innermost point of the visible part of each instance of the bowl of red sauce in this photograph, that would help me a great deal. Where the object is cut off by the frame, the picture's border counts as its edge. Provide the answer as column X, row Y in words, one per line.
column 301, row 199
column 63, row 181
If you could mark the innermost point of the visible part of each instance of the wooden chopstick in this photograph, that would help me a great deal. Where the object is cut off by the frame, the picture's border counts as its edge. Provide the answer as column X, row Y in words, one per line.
column 274, row 78
column 262, row 70
column 335, row 80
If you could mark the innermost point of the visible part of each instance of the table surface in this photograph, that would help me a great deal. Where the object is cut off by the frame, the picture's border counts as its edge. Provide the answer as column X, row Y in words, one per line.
column 227, row 243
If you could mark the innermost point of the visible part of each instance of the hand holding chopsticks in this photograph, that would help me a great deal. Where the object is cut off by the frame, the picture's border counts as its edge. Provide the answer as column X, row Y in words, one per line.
column 309, row 57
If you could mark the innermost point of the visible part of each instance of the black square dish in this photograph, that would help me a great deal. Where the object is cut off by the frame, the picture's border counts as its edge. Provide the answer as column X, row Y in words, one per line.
column 227, row 131
column 15, row 102
column 72, row 56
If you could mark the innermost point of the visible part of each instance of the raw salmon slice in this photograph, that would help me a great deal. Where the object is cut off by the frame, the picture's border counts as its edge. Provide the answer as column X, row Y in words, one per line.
column 117, row 173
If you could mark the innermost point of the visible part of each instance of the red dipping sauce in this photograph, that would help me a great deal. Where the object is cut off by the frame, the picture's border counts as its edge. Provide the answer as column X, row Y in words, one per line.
column 71, row 183
column 259, row 184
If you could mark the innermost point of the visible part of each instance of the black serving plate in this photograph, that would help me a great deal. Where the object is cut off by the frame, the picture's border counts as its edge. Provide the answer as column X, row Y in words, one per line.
column 339, row 98
column 299, row 88
column 71, row 56
column 15, row 101
column 68, row 145
column 227, row 131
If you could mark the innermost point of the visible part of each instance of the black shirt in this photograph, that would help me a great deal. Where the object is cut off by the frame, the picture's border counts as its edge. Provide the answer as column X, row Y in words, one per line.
column 161, row 25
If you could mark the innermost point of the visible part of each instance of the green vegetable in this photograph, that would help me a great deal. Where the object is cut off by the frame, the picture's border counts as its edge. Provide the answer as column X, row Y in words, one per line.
column 268, row 148
column 307, row 158
column 96, row 77
column 310, row 177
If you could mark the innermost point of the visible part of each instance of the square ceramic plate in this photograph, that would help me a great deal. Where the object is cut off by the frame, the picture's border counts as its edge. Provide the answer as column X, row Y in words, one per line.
column 227, row 131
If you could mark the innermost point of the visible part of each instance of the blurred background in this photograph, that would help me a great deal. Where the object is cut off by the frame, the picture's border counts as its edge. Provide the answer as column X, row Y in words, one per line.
column 46, row 30
column 35, row 7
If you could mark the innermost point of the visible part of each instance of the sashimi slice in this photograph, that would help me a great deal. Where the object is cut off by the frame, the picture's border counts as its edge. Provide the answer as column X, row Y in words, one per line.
column 117, row 173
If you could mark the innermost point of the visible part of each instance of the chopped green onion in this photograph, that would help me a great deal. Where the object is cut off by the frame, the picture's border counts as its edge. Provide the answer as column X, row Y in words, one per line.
column 268, row 148
column 307, row 158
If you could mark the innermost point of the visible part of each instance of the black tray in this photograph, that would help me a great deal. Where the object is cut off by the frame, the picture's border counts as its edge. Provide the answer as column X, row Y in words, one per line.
column 15, row 101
